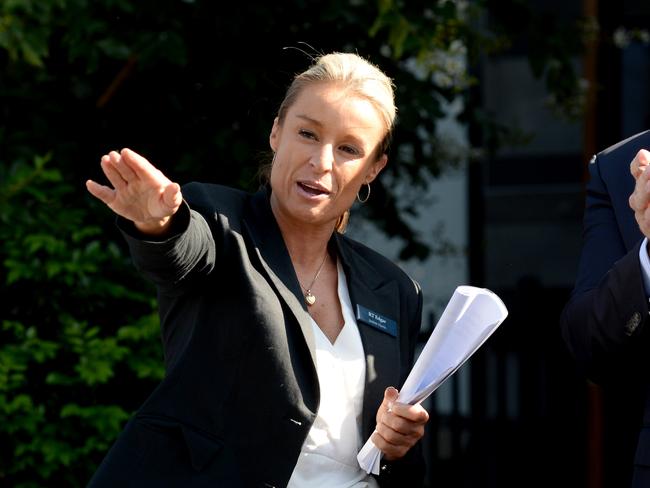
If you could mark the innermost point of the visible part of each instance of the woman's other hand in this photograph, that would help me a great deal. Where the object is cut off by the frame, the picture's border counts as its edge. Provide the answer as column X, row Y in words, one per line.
column 141, row 193
column 399, row 426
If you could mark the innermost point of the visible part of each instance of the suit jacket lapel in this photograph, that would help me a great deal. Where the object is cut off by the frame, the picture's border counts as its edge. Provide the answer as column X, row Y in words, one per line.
column 366, row 286
column 272, row 253
column 369, row 289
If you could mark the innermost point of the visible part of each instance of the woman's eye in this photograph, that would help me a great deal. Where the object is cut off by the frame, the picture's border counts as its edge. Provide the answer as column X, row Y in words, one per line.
column 307, row 134
column 350, row 150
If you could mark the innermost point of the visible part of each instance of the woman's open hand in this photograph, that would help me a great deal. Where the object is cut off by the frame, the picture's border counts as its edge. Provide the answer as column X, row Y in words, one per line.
column 141, row 193
column 399, row 426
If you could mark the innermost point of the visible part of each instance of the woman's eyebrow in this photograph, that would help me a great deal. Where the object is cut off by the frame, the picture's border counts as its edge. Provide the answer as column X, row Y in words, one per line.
column 309, row 119
column 353, row 137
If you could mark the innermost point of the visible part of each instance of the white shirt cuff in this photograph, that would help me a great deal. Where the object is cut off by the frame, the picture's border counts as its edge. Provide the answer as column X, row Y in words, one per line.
column 645, row 266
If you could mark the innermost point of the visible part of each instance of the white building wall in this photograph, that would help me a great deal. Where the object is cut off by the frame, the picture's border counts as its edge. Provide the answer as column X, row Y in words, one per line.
column 441, row 216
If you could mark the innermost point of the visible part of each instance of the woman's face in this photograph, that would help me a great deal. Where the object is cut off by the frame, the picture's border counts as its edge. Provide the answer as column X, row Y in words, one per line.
column 325, row 149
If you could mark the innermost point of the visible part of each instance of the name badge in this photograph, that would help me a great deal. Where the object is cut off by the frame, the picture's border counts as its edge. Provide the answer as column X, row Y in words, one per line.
column 378, row 321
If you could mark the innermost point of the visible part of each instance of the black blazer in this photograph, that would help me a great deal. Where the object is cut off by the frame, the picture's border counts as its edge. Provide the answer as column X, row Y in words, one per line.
column 241, row 390
column 605, row 322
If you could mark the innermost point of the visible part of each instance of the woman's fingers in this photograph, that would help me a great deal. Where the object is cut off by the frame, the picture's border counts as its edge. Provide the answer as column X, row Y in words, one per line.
column 403, row 424
column 142, row 168
column 101, row 192
column 395, row 439
column 140, row 193
column 400, row 435
column 108, row 166
column 399, row 425
column 125, row 171
column 406, row 419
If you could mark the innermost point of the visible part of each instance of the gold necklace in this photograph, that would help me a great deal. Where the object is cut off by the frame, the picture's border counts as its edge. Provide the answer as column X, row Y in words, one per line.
column 310, row 298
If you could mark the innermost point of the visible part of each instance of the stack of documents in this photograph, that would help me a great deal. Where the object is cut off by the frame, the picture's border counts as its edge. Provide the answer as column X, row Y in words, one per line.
column 471, row 316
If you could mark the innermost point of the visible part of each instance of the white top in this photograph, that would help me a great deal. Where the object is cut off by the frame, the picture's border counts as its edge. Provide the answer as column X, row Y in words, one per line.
column 328, row 458
column 645, row 266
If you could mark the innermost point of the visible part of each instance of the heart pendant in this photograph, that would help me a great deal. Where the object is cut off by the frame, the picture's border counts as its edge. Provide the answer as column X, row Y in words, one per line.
column 309, row 298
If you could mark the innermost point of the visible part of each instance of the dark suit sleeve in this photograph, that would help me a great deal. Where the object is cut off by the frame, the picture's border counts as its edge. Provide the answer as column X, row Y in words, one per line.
column 188, row 250
column 604, row 323
column 410, row 470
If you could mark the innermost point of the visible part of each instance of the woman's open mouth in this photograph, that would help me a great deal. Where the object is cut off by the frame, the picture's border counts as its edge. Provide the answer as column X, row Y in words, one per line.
column 312, row 189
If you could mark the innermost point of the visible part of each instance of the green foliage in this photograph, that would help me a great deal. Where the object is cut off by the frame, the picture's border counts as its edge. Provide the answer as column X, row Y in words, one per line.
column 194, row 86
column 553, row 44
column 58, row 384
column 440, row 45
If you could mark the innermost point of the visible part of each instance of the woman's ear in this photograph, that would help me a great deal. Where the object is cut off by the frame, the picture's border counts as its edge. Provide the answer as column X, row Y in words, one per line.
column 376, row 168
column 275, row 134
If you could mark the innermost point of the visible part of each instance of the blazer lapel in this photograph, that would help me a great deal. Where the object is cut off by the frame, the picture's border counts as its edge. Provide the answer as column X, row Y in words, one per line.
column 272, row 253
column 380, row 296
column 367, row 288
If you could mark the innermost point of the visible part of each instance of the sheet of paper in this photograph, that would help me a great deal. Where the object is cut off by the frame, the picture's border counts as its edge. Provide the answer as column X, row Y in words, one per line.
column 470, row 317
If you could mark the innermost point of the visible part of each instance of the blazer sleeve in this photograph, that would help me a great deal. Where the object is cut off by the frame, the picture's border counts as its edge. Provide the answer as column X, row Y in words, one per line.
column 189, row 250
column 604, row 323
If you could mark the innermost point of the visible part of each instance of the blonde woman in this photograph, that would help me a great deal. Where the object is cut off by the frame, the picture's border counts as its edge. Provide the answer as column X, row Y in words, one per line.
column 283, row 338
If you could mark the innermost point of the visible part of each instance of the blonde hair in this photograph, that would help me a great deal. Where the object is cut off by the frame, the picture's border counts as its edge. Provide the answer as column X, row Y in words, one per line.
column 361, row 78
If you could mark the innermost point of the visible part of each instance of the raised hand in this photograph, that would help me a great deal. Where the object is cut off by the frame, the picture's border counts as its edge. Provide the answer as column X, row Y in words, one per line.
column 141, row 192
column 640, row 199
column 639, row 163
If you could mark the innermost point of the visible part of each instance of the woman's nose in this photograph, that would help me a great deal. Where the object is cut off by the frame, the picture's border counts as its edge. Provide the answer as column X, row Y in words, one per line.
column 323, row 159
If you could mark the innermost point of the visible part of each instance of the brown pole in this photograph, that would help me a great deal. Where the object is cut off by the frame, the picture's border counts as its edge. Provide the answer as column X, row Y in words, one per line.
column 119, row 79
column 595, row 478
column 590, row 8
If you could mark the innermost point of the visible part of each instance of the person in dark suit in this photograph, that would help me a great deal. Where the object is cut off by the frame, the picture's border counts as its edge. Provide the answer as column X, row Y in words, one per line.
column 605, row 322
column 283, row 338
